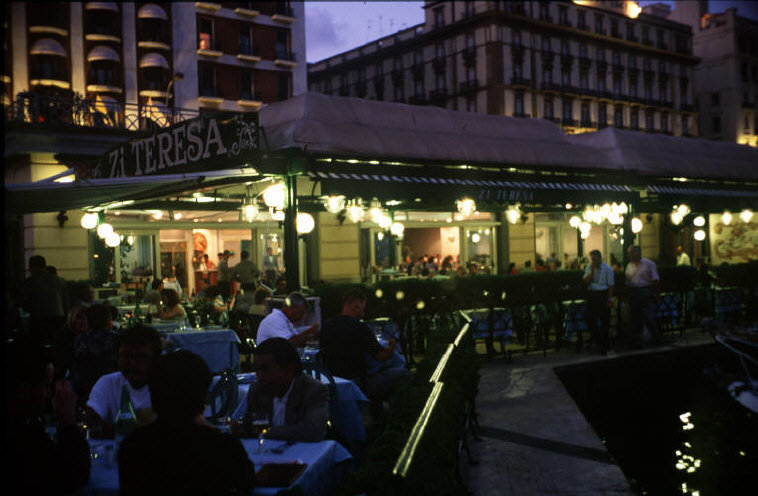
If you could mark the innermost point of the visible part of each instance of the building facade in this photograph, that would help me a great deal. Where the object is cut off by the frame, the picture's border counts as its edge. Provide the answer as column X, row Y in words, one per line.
column 585, row 65
column 726, row 80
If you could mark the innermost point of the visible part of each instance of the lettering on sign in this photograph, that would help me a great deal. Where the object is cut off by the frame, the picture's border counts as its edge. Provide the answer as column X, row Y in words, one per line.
column 506, row 195
column 190, row 143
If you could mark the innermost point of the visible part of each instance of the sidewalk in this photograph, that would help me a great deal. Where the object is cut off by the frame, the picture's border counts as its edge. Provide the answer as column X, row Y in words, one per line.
column 534, row 440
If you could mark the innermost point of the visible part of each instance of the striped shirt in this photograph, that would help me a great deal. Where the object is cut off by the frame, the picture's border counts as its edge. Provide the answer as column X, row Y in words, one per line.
column 602, row 278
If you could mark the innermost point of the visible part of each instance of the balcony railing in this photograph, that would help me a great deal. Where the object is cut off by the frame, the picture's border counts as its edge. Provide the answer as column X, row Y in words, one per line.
column 417, row 100
column 439, row 63
column 39, row 110
column 398, row 75
column 470, row 85
column 469, row 55
column 550, row 86
column 567, row 121
column 520, row 81
column 685, row 107
column 438, row 94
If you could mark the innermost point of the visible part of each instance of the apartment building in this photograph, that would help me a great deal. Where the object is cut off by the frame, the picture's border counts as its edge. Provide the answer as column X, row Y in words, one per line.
column 726, row 80
column 230, row 56
column 585, row 65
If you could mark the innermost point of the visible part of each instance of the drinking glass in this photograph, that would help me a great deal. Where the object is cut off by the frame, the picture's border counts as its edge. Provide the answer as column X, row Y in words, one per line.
column 261, row 424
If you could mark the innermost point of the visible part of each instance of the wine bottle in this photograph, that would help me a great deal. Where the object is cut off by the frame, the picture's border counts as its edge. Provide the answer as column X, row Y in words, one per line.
column 126, row 420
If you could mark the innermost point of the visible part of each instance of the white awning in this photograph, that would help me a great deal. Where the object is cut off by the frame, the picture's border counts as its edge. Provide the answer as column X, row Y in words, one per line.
column 101, row 6
column 153, row 60
column 48, row 46
column 152, row 11
column 103, row 53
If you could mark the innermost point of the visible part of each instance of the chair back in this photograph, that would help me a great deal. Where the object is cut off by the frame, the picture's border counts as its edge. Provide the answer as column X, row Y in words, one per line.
column 223, row 395
column 314, row 366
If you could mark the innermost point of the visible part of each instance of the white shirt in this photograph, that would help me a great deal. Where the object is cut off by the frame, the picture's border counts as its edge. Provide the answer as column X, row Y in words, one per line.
column 275, row 325
column 641, row 275
column 105, row 398
column 683, row 259
column 280, row 407
column 602, row 278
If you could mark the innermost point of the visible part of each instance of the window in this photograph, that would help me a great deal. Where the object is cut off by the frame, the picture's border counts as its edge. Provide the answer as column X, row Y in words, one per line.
column 563, row 15
column 616, row 58
column 632, row 61
column 649, row 127
column 399, row 92
column 716, row 124
column 602, row 115
column 599, row 24
column 618, row 116
column 246, row 41
column 633, row 88
column 470, row 41
column 544, row 11
column 546, row 43
column 471, row 104
column 397, row 64
column 246, row 85
column 439, row 51
column 565, row 47
column 743, row 71
column 747, row 122
column 645, row 35
column 282, row 44
column 565, row 77
column 379, row 70
column 547, row 74
column 648, row 90
column 468, row 8
column 103, row 72
column 517, row 71
column 665, row 122
column 418, row 87
column 617, row 87
column 205, row 34
column 581, row 19
column 418, row 57
column 585, row 113
column 518, row 103
column 601, row 82
column 283, row 86
column 583, row 50
column 634, row 118
column 615, row 28
column 440, row 81
column 207, row 80
column 548, row 107
column 601, row 54
column 663, row 92
column 328, row 86
column 685, row 125
column 516, row 38
column 584, row 80
column 568, row 109
column 715, row 99
column 439, row 17
column 630, row 31
column 471, row 74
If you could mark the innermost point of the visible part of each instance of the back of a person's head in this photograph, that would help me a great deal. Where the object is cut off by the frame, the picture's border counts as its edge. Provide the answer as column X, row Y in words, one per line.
column 244, row 255
column 261, row 294
column 353, row 295
column 37, row 262
column 178, row 384
column 295, row 299
column 282, row 351
column 99, row 316
column 170, row 297
column 156, row 284
column 52, row 269
column 141, row 335
column 211, row 292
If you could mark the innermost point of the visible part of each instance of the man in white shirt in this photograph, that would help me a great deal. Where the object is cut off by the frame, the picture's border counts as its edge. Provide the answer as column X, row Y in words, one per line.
column 138, row 347
column 598, row 276
column 643, row 287
column 682, row 259
column 279, row 323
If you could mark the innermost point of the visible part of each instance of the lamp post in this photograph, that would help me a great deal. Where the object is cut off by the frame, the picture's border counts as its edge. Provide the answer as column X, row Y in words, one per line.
column 177, row 77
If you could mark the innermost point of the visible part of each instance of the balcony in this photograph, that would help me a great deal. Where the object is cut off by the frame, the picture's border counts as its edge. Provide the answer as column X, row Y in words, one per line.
column 602, row 66
column 567, row 60
column 546, row 18
column 583, row 26
column 662, row 45
column 647, row 41
column 398, row 75
column 360, row 89
column 617, row 68
column 247, row 53
column 468, row 86
column 588, row 123
column 685, row 107
column 604, row 95
column 632, row 38
column 600, row 31
column 520, row 81
column 547, row 86
column 567, row 121
column 584, row 62
column 469, row 55
column 438, row 94
column 570, row 90
column 417, row 70
column 283, row 13
column 439, row 64
column 417, row 100
column 286, row 59
column 617, row 34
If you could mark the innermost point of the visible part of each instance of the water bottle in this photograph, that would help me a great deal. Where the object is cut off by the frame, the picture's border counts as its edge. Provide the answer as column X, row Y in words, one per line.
column 126, row 420
column 137, row 313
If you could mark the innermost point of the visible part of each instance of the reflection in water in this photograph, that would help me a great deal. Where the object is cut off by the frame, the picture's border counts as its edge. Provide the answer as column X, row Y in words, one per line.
column 684, row 461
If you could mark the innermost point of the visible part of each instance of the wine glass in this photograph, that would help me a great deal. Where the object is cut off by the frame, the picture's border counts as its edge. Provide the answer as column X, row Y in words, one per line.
column 261, row 425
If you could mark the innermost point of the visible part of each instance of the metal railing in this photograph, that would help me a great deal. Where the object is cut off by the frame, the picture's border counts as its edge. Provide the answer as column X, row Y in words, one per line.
column 30, row 108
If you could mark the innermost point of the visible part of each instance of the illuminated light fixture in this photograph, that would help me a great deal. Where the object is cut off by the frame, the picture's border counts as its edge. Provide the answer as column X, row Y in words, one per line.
column 334, row 204
column 615, row 218
column 275, row 195
column 449, row 220
column 89, row 220
column 104, row 229
column 384, row 222
column 66, row 179
column 199, row 198
column 420, row 305
column 117, row 214
column 195, row 220
column 396, row 228
column 683, row 210
column 746, row 215
column 584, row 234
column 585, row 227
column 699, row 235
column 178, row 216
column 393, row 203
column 726, row 218
column 157, row 215
column 130, row 240
column 513, row 214
column 379, row 293
column 575, row 221
column 699, row 221
column 568, row 206
column 475, row 238
column 304, row 223
column 113, row 239
column 466, row 206
column 250, row 210
column 277, row 214
column 380, row 235
column 220, row 220
column 487, row 232
column 636, row 225
column 676, row 218
column 355, row 210
column 400, row 295
column 375, row 212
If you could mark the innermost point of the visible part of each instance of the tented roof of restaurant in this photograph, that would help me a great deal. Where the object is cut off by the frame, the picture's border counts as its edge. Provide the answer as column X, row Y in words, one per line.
column 327, row 124
column 660, row 155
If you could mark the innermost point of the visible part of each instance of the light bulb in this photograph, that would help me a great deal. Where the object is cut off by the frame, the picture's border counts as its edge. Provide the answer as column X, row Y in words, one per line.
column 726, row 218
column 380, row 236
column 275, row 195
column 334, row 204
column 746, row 215
column 397, row 228
column 113, row 239
column 475, row 238
column 676, row 217
column 699, row 235
column 699, row 221
column 384, row 222
column 636, row 225
column 251, row 212
column 513, row 215
column 466, row 206
column 575, row 221
column 104, row 229
column 89, row 220
column 304, row 223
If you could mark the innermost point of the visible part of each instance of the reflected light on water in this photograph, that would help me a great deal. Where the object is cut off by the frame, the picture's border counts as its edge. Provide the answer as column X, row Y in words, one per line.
column 684, row 462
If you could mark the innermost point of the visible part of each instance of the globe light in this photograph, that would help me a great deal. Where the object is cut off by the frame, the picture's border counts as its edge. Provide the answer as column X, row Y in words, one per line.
column 113, row 239
column 334, row 204
column 400, row 295
column 275, row 195
column 466, row 206
column 676, row 218
column 746, row 215
column 384, row 221
column 130, row 240
column 636, row 225
column 397, row 228
column 420, row 305
column 475, row 238
column 575, row 221
column 380, row 236
column 726, row 218
column 355, row 210
column 89, row 220
column 699, row 235
column 304, row 223
column 585, row 227
column 615, row 218
column 277, row 214
column 683, row 210
column 379, row 293
column 699, row 221
column 104, row 229
column 250, row 212
column 513, row 214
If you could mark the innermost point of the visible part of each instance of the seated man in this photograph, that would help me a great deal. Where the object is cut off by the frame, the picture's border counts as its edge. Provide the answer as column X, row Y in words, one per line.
column 180, row 453
column 35, row 463
column 345, row 342
column 278, row 324
column 95, row 350
column 296, row 404
column 137, row 349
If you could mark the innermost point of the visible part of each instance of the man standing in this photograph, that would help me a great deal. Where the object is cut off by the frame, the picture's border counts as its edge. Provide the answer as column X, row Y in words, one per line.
column 270, row 266
column 682, row 259
column 41, row 297
column 278, row 324
column 598, row 277
column 643, row 284
column 138, row 348
column 345, row 342
column 224, row 274
column 296, row 404
column 245, row 271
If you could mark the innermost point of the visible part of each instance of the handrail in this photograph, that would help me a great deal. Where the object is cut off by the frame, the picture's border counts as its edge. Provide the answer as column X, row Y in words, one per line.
column 435, row 378
column 404, row 461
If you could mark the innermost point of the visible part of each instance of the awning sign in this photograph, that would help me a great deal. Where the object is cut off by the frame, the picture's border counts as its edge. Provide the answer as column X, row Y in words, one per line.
column 203, row 143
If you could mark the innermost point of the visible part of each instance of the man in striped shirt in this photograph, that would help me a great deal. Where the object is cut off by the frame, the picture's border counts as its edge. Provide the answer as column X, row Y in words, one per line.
column 598, row 276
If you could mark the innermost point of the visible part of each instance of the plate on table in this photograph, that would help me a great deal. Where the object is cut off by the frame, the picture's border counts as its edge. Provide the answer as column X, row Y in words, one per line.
column 247, row 378
column 278, row 474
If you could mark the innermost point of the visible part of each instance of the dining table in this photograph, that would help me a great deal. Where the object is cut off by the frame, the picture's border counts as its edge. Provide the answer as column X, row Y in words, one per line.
column 217, row 346
column 326, row 464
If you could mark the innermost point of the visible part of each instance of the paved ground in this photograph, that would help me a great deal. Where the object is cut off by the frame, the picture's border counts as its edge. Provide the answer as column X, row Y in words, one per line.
column 534, row 440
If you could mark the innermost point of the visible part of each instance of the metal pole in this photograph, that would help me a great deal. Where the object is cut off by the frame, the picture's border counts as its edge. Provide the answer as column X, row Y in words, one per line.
column 291, row 255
